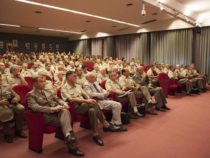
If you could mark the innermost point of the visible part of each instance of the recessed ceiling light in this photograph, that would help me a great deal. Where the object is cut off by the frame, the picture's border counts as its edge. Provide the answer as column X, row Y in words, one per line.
column 56, row 30
column 76, row 12
column 38, row 12
column 10, row 25
column 154, row 13
column 129, row 4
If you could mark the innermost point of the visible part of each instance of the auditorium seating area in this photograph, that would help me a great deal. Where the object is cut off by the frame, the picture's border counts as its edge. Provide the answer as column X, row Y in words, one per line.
column 105, row 79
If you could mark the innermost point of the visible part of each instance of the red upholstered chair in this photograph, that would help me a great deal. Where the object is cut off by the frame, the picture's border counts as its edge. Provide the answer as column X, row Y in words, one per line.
column 83, row 119
column 48, row 78
column 103, row 84
column 35, row 122
column 22, row 91
column 172, row 87
column 89, row 65
column 164, row 82
column 30, row 65
column 29, row 80
column 37, row 129
column 146, row 68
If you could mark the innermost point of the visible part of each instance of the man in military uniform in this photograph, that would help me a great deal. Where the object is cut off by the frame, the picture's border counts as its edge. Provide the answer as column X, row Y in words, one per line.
column 95, row 91
column 140, row 91
column 141, row 78
column 9, row 107
column 15, row 77
column 3, row 73
column 181, row 75
column 74, row 94
column 55, row 112
column 25, row 71
column 199, row 78
column 80, row 76
column 113, row 86
column 48, row 83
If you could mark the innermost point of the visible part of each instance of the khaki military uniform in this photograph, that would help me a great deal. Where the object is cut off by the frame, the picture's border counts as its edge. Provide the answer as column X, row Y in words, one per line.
column 42, row 101
column 8, row 112
column 26, row 73
column 157, row 92
column 81, row 80
column 198, row 82
column 50, row 87
column 143, row 91
column 114, row 86
column 101, row 78
column 181, row 75
column 94, row 112
column 97, row 92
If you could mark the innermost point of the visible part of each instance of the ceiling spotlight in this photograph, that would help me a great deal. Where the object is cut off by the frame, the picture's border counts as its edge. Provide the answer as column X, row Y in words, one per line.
column 161, row 6
column 143, row 11
column 198, row 24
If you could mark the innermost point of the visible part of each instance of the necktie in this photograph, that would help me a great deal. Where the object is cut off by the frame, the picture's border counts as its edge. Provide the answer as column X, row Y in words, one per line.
column 42, row 92
column 96, row 88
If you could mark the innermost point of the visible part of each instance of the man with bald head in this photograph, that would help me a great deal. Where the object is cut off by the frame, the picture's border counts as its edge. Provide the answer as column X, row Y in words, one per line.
column 95, row 91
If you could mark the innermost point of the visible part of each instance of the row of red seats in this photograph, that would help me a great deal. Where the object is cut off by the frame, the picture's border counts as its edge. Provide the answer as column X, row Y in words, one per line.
column 35, row 120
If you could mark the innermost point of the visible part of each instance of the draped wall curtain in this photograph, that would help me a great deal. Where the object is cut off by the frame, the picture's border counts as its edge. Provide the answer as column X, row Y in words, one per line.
column 172, row 47
column 169, row 47
column 97, row 47
column 133, row 46
column 202, row 51
column 109, row 47
column 82, row 46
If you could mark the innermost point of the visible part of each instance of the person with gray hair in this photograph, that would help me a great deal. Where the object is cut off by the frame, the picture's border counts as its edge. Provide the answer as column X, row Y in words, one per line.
column 15, row 77
column 74, row 94
column 95, row 91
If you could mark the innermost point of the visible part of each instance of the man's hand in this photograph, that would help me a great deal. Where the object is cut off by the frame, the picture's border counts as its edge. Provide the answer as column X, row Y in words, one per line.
column 91, row 101
column 106, row 94
column 4, row 102
column 14, row 101
column 57, row 108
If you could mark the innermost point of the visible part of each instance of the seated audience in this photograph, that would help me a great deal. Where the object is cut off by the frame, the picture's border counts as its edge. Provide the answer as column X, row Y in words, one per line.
column 55, row 112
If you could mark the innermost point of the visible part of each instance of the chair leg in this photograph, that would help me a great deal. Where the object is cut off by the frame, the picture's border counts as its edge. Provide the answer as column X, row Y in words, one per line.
column 36, row 140
column 85, row 124
column 59, row 134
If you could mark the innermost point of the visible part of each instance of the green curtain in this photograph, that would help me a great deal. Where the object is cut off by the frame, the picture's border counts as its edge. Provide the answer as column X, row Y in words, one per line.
column 171, row 47
column 133, row 46
column 202, row 51
column 81, row 46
